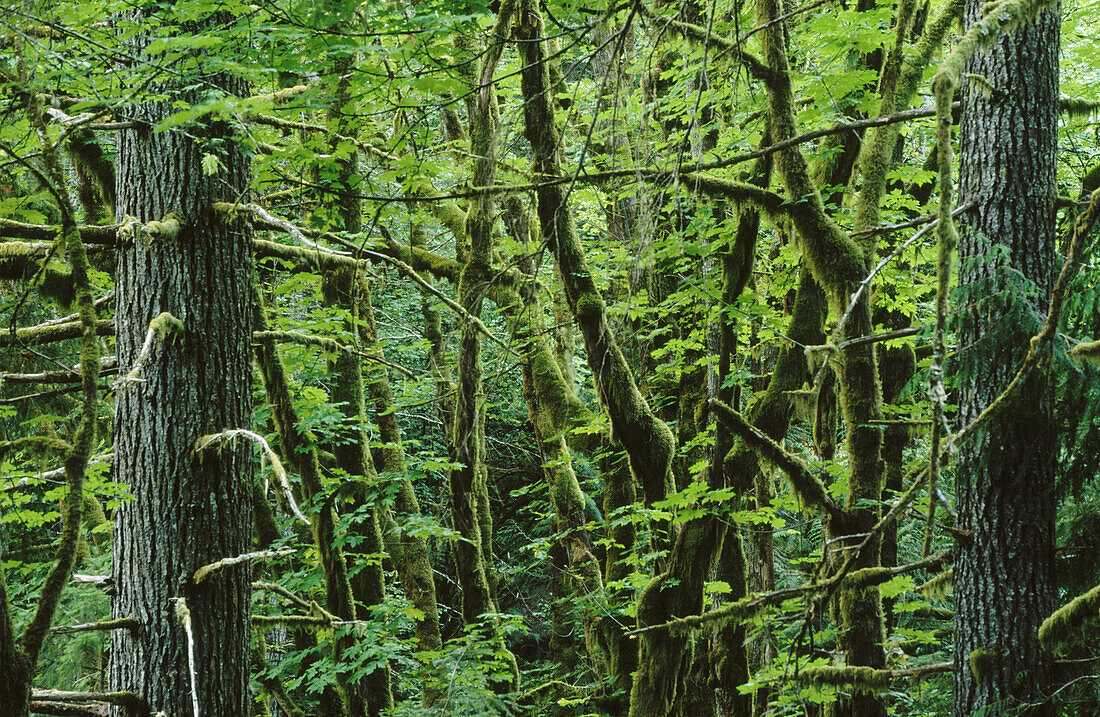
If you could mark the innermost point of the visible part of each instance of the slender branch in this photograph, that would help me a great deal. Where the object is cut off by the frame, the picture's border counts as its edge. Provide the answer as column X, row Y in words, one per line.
column 884, row 336
column 207, row 570
column 121, row 623
column 330, row 345
column 164, row 327
column 280, row 590
column 276, row 465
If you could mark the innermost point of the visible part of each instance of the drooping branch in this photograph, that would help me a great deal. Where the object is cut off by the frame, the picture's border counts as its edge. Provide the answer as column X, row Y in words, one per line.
column 276, row 465
column 808, row 486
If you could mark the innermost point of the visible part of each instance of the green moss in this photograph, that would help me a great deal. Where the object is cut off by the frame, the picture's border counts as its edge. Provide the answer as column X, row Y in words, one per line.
column 1079, row 107
column 1063, row 628
column 865, row 680
column 589, row 307
column 1089, row 351
column 167, row 229
column 983, row 661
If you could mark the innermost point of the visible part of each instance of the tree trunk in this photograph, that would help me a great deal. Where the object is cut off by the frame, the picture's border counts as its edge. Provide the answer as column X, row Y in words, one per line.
column 1005, row 558
column 189, row 507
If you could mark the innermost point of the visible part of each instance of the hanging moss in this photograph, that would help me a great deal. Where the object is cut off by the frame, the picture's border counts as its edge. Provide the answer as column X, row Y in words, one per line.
column 863, row 680
column 938, row 587
column 1064, row 628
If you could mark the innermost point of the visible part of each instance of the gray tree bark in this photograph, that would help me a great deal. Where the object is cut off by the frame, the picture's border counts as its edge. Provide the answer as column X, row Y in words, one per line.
column 189, row 507
column 1005, row 560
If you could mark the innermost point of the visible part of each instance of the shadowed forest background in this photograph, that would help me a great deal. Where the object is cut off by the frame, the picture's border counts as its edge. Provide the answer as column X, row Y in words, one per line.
column 549, row 357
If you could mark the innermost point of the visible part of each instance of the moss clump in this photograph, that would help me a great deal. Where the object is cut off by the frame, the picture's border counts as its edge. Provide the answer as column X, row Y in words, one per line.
column 983, row 661
column 939, row 586
column 1086, row 352
column 865, row 680
column 590, row 307
column 1060, row 630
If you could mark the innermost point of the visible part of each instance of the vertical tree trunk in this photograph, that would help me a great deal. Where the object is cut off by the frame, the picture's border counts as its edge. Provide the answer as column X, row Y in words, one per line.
column 344, row 288
column 1005, row 560
column 190, row 508
column 409, row 552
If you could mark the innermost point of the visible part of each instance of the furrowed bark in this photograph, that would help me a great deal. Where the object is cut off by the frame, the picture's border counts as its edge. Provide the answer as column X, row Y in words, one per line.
column 1004, row 569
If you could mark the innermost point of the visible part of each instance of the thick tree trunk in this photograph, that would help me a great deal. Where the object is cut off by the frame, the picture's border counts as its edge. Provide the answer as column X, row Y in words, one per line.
column 190, row 507
column 1004, row 561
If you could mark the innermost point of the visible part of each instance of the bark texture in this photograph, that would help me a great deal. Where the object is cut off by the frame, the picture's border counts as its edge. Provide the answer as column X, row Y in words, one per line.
column 1005, row 559
column 190, row 507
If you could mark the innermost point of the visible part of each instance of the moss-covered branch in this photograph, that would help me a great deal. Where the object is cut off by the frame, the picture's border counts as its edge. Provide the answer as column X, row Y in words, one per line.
column 807, row 485
column 330, row 345
column 49, row 333
column 84, row 437
column 207, row 570
column 121, row 623
column 1063, row 627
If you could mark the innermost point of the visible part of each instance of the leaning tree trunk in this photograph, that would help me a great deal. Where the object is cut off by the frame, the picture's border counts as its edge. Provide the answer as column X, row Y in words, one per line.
column 1004, row 560
column 190, row 507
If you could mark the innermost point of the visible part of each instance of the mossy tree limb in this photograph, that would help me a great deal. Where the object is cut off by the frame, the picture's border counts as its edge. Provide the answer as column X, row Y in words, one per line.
column 469, row 474
column 648, row 441
column 19, row 659
column 1063, row 628
column 409, row 552
column 838, row 263
column 301, row 451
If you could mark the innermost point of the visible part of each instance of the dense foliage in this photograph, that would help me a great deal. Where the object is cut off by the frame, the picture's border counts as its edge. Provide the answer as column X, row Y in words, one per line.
column 624, row 394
